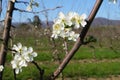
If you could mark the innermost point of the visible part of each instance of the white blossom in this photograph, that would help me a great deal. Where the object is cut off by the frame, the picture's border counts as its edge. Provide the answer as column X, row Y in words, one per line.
column 65, row 33
column 1, row 68
column 75, row 19
column 22, row 55
column 62, row 19
column 30, row 55
column 54, row 35
column 16, row 66
column 29, row 8
column 82, row 20
column 17, row 70
column 73, row 36
column 61, row 16
column 13, row 0
column 19, row 49
column 18, row 62
column 57, row 29
column 64, row 24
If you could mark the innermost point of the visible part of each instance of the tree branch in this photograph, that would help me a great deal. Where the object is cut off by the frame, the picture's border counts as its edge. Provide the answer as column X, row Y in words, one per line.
column 79, row 41
column 49, row 9
column 22, row 2
column 6, row 34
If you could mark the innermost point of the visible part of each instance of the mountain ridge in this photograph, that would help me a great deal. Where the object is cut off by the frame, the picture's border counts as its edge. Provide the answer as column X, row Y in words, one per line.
column 97, row 22
column 100, row 21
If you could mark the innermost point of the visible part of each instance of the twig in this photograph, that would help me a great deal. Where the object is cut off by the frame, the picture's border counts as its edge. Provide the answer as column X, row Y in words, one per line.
column 22, row 2
column 26, row 3
column 45, row 13
column 79, row 41
column 66, row 47
column 11, row 50
column 56, row 53
column 49, row 9
column 41, row 71
column 15, row 78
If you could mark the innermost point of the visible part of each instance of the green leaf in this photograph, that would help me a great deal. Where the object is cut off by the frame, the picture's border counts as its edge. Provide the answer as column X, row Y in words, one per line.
column 91, row 39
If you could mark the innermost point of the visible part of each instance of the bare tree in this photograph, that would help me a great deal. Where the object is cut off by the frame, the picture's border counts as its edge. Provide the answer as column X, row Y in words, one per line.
column 36, row 21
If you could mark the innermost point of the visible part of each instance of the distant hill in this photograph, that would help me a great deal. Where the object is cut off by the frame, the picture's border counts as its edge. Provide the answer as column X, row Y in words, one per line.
column 97, row 22
column 105, row 22
column 44, row 24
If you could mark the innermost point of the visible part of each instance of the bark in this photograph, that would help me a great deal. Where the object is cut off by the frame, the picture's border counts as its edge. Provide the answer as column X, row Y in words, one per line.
column 6, row 35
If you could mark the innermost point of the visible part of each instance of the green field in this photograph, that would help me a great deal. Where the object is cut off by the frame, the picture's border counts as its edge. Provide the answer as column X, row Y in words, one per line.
column 100, row 60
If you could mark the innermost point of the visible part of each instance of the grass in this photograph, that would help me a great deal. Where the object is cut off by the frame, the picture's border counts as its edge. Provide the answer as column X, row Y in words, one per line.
column 44, row 57
column 102, row 69
column 43, row 46
column 28, row 73
column 76, row 69
column 98, row 53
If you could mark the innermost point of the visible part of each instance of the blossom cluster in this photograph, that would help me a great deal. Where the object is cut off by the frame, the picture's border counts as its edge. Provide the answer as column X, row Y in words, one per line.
column 63, row 26
column 31, row 4
column 22, row 55
column 113, row 1
column 1, row 68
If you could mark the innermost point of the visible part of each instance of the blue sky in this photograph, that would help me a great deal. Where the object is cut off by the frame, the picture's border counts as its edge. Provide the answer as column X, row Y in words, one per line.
column 107, row 10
